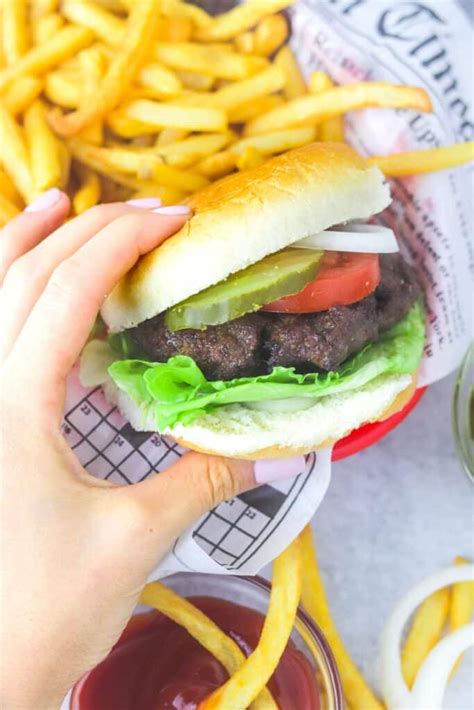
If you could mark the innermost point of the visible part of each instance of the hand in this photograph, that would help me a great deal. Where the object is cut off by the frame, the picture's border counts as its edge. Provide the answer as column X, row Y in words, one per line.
column 76, row 550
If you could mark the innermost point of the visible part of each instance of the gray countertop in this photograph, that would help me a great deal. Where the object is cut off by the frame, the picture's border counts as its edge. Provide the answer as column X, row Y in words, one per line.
column 394, row 514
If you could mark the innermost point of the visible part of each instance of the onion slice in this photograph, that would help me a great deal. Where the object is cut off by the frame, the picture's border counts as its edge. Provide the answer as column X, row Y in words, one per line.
column 95, row 360
column 433, row 676
column 394, row 689
column 360, row 238
column 291, row 404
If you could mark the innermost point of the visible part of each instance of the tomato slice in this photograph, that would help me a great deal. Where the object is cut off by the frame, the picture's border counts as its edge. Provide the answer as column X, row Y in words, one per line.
column 344, row 278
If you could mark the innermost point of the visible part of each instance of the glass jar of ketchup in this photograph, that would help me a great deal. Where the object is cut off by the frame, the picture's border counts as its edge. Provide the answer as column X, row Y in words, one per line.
column 156, row 665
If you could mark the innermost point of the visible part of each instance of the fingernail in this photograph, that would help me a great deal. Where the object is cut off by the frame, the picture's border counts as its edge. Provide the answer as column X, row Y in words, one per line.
column 266, row 471
column 45, row 201
column 145, row 203
column 173, row 210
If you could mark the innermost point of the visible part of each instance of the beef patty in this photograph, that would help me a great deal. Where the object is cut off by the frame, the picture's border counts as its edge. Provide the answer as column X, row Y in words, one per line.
column 310, row 342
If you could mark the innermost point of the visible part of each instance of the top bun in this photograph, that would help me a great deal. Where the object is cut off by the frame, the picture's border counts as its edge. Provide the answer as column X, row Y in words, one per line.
column 244, row 217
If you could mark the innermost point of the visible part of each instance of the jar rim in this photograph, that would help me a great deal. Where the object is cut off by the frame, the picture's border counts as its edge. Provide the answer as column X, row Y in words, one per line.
column 460, row 412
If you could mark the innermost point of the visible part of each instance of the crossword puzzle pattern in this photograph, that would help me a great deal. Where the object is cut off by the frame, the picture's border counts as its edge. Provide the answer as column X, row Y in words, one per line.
column 231, row 532
column 109, row 448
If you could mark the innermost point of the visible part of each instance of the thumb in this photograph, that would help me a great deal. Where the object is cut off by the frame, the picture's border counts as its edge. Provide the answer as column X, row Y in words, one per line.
column 191, row 487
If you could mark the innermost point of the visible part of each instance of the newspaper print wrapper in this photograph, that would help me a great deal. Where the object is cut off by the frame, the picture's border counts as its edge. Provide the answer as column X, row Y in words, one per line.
column 353, row 40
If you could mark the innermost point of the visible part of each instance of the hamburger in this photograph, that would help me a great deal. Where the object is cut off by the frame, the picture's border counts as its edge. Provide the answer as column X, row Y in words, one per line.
column 251, row 333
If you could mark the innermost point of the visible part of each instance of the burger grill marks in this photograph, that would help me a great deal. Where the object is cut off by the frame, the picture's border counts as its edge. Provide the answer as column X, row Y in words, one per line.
column 257, row 342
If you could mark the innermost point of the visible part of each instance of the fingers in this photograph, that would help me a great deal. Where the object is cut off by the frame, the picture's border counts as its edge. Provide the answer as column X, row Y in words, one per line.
column 62, row 318
column 29, row 273
column 30, row 227
column 193, row 486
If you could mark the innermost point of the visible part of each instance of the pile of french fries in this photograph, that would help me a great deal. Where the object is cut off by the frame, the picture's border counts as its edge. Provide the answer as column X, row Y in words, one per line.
column 114, row 99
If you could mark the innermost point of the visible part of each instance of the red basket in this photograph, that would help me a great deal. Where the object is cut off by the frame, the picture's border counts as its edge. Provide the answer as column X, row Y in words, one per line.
column 369, row 434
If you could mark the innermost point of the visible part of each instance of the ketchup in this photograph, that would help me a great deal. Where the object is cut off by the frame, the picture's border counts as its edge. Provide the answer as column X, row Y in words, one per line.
column 157, row 665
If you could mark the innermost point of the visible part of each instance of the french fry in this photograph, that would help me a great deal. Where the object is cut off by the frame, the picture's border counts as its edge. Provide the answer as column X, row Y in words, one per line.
column 63, row 88
column 3, row 59
column 203, row 630
column 195, row 81
column 88, row 193
column 356, row 692
column 43, row 149
column 116, row 6
column 331, row 130
column 425, row 632
column 185, row 152
column 46, row 27
column 8, row 189
column 277, row 142
column 145, row 141
column 209, row 60
column 38, row 8
column 245, row 43
column 337, row 101
column 170, row 135
column 318, row 82
column 425, row 161
column 22, row 93
column 139, row 35
column 248, row 681
column 174, row 29
column 461, row 607
column 226, row 47
column 270, row 34
column 72, row 65
column 179, row 9
column 41, row 58
column 143, row 164
column 114, row 180
column 8, row 210
column 168, row 195
column 93, row 65
column 65, row 163
column 250, row 158
column 14, row 155
column 239, row 19
column 171, row 115
column 165, row 84
column 105, row 25
column 94, row 133
column 251, row 109
column 218, row 165
column 295, row 84
column 126, row 127
column 232, row 96
column 15, row 30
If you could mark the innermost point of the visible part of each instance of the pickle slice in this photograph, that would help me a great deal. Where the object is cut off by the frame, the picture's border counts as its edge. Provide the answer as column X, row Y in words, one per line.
column 278, row 275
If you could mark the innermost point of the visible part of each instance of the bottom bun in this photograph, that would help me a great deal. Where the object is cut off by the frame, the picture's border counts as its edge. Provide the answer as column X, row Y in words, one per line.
column 239, row 432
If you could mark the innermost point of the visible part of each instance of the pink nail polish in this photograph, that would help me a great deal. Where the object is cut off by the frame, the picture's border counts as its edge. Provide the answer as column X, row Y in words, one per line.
column 266, row 471
column 45, row 201
column 145, row 203
column 173, row 210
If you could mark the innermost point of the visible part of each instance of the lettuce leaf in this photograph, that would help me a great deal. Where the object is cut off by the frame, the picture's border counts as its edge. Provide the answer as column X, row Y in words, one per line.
column 178, row 391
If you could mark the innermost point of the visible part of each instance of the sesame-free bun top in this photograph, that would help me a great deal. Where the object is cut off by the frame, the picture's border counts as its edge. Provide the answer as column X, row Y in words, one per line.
column 244, row 217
